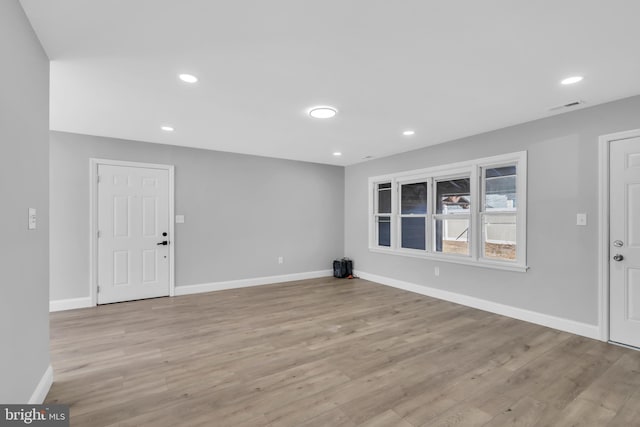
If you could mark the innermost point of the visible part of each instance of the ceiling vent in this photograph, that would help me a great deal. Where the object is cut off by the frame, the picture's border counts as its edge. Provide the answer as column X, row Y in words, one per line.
column 571, row 104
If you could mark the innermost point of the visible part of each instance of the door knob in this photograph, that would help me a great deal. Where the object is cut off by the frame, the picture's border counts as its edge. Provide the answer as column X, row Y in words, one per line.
column 618, row 257
column 166, row 242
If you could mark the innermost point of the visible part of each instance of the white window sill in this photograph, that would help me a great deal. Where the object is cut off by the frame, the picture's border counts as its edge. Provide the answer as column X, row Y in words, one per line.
column 455, row 259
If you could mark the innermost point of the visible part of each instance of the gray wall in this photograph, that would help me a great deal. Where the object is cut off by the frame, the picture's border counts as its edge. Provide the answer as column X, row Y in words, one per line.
column 242, row 212
column 24, row 255
column 562, row 181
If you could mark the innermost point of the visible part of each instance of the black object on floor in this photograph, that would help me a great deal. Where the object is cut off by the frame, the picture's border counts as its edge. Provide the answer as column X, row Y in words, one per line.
column 342, row 268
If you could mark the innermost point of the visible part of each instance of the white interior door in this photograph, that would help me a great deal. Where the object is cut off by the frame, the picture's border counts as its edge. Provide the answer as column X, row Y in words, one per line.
column 624, row 232
column 133, row 221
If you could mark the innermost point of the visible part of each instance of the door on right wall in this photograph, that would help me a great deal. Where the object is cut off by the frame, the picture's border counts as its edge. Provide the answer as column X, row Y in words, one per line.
column 624, row 245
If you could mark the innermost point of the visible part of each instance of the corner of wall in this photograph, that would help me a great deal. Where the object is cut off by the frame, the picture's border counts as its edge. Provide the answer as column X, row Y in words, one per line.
column 42, row 389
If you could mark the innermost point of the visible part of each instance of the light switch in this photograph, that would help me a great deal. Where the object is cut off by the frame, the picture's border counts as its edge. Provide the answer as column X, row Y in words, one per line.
column 581, row 219
column 33, row 223
column 179, row 219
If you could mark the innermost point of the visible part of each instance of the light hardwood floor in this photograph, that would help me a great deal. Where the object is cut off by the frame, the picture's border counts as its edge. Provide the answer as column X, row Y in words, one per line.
column 330, row 352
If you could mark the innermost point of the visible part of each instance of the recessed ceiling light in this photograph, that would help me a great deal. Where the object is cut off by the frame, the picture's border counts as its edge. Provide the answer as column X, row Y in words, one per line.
column 571, row 80
column 337, row 154
column 322, row 112
column 409, row 132
column 167, row 128
column 188, row 78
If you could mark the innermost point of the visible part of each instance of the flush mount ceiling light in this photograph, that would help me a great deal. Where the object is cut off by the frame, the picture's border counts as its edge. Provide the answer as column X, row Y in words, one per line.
column 337, row 154
column 409, row 132
column 167, row 128
column 571, row 80
column 188, row 78
column 322, row 112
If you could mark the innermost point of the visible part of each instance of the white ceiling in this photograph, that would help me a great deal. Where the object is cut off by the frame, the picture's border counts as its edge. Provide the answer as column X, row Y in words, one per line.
column 447, row 69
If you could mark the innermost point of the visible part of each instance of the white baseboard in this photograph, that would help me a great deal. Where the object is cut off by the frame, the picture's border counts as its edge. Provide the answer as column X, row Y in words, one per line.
column 244, row 283
column 42, row 389
column 567, row 325
column 69, row 304
column 72, row 303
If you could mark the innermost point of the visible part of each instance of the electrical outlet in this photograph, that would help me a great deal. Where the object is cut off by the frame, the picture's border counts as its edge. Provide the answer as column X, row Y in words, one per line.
column 280, row 260
column 581, row 219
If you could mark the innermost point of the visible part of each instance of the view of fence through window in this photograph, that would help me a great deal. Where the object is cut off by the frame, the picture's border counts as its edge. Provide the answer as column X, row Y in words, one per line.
column 468, row 212
column 453, row 208
column 499, row 213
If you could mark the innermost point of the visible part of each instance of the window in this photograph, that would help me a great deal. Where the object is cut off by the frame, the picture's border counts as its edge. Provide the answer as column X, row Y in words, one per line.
column 470, row 212
column 413, row 215
column 453, row 215
column 499, row 213
column 383, row 214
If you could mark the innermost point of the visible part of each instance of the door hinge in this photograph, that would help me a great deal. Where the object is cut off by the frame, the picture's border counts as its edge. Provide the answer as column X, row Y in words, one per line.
column 99, row 179
column 98, row 289
column 98, row 234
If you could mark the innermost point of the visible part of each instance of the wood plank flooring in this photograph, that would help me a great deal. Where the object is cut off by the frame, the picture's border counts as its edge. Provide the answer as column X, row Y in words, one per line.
column 330, row 352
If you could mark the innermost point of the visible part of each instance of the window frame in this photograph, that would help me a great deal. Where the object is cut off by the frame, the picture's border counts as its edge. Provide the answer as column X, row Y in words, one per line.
column 405, row 181
column 442, row 217
column 483, row 212
column 377, row 215
column 475, row 170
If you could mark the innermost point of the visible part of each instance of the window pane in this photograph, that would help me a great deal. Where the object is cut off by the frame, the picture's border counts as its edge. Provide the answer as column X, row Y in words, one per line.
column 384, row 198
column 452, row 236
column 500, row 237
column 500, row 188
column 413, row 233
column 414, row 198
column 453, row 196
column 384, row 231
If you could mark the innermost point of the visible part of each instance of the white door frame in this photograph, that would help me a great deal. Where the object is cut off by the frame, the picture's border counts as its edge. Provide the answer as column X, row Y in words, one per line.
column 603, row 227
column 93, row 221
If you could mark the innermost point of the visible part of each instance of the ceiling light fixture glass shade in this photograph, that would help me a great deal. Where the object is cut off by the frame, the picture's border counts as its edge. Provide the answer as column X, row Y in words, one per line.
column 188, row 78
column 167, row 128
column 337, row 154
column 571, row 80
column 322, row 112
column 409, row 132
